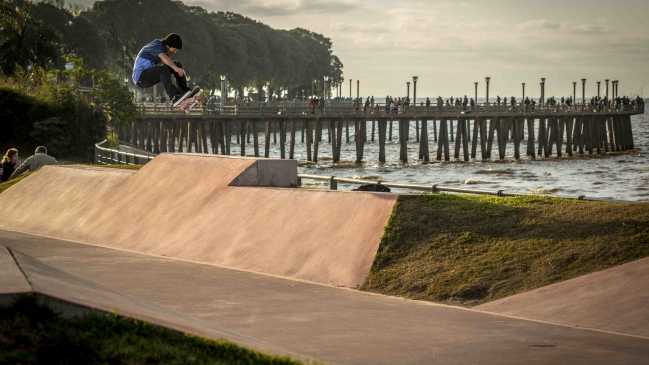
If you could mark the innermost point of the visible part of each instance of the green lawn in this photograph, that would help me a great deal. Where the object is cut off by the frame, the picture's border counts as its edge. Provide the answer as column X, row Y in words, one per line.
column 31, row 333
column 468, row 250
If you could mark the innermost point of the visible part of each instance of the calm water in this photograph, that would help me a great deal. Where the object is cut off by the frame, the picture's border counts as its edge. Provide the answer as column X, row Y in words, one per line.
column 623, row 176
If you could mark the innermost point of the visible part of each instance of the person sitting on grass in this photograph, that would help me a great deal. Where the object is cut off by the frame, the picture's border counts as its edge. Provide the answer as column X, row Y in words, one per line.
column 40, row 158
column 9, row 162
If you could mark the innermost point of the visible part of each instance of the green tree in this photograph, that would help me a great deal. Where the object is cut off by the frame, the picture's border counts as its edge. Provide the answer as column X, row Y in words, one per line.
column 24, row 40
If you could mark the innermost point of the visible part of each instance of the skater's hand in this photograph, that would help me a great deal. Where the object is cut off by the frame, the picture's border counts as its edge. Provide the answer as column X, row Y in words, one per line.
column 180, row 72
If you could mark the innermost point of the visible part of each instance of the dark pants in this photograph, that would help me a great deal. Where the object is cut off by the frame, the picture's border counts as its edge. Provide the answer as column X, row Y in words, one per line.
column 162, row 73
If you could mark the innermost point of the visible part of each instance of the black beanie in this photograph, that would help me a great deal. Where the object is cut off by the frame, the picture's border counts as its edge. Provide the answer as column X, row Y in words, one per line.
column 173, row 40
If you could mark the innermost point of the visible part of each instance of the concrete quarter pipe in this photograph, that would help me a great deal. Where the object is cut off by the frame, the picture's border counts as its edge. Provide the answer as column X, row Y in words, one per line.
column 190, row 207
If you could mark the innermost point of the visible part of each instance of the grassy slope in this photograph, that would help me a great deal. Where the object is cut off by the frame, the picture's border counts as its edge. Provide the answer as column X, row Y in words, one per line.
column 31, row 333
column 467, row 250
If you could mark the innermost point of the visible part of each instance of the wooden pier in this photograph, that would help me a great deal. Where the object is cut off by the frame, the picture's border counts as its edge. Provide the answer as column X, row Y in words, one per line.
column 464, row 134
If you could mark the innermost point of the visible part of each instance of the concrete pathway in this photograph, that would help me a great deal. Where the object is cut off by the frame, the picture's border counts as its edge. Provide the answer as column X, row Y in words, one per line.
column 336, row 325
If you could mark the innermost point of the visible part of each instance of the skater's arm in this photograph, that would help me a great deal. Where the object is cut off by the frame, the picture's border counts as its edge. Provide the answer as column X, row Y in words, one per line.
column 167, row 61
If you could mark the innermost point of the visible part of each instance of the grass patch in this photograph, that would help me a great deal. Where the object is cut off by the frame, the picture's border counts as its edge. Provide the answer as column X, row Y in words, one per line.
column 468, row 250
column 7, row 184
column 31, row 333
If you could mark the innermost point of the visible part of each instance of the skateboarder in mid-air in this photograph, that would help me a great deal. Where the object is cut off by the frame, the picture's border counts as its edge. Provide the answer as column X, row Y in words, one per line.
column 153, row 65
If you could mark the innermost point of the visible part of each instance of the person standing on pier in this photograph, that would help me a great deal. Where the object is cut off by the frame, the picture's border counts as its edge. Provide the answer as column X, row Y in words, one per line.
column 154, row 65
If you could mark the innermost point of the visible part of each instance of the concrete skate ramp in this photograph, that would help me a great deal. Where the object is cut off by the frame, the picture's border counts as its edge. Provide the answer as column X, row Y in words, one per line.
column 614, row 299
column 183, row 206
column 74, row 296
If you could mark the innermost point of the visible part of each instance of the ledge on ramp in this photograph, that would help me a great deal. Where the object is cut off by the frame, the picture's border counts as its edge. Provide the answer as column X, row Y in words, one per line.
column 614, row 299
column 188, row 206
column 73, row 296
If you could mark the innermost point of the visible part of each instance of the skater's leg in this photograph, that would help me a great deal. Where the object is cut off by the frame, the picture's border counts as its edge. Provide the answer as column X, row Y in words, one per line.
column 156, row 74
column 181, row 81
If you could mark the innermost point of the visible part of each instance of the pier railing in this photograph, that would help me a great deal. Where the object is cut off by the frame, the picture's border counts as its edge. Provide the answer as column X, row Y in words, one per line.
column 378, row 109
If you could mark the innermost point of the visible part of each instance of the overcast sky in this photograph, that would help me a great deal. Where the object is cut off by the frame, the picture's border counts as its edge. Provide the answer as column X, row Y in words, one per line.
column 450, row 45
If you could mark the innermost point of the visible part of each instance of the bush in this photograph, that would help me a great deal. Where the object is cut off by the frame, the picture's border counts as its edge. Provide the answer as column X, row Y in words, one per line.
column 47, row 108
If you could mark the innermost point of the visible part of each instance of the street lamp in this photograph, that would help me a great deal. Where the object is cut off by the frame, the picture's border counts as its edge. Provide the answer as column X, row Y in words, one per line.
column 487, row 79
column 523, row 99
column 223, row 93
column 408, row 93
column 358, row 88
column 607, row 80
column 574, row 91
column 583, row 94
column 126, row 81
column 598, row 94
column 268, row 91
column 324, row 86
column 476, row 94
column 414, row 91
column 542, row 90
column 350, row 89
column 616, row 88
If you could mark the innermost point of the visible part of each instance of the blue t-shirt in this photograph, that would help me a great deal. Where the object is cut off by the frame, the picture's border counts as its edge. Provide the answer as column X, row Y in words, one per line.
column 147, row 58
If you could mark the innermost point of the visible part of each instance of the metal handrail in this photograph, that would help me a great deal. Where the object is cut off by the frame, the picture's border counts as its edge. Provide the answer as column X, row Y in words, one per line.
column 381, row 109
column 333, row 185
column 109, row 156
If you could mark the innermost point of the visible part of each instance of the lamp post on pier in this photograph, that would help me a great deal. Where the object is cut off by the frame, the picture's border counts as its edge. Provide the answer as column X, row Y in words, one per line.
column 414, row 92
column 523, row 99
column 615, row 88
column 574, row 91
column 583, row 94
column 408, row 92
column 542, row 90
column 598, row 94
column 607, row 80
column 350, row 89
column 324, row 85
column 222, row 93
column 358, row 88
column 487, row 79
column 476, row 95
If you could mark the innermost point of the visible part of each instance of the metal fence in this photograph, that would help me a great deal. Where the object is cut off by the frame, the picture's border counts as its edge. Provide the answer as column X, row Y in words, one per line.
column 109, row 156
column 333, row 185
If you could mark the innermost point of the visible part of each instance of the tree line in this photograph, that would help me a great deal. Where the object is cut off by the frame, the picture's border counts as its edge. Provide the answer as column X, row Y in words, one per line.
column 250, row 53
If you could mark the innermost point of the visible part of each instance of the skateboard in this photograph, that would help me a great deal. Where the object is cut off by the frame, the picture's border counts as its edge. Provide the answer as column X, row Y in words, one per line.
column 189, row 100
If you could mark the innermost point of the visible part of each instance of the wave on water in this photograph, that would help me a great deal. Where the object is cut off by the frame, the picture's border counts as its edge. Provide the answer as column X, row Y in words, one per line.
column 475, row 182
column 494, row 171
column 367, row 177
column 545, row 190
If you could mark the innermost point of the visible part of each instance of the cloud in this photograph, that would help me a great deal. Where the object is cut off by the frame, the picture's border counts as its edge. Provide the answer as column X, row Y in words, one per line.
column 590, row 29
column 541, row 23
